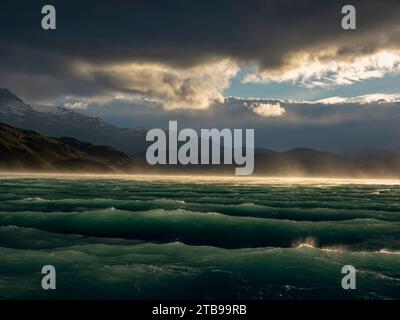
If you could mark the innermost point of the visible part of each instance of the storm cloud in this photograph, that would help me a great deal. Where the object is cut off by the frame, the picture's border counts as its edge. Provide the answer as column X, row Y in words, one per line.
column 186, row 53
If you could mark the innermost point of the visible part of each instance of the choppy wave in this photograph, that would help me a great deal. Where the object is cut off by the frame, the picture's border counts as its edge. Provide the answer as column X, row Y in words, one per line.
column 241, row 209
column 208, row 228
column 38, row 199
column 141, row 239
column 147, row 270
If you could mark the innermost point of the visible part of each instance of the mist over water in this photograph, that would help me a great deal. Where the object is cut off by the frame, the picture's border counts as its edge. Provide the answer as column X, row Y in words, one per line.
column 196, row 238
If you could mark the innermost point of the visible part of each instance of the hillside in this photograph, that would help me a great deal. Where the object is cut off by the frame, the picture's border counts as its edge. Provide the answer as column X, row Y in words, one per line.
column 28, row 150
column 60, row 122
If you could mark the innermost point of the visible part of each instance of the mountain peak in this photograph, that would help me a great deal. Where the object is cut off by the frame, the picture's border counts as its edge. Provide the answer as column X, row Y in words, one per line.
column 6, row 94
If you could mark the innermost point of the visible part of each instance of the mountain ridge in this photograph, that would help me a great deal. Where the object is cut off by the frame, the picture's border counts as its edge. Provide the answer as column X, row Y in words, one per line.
column 60, row 122
column 22, row 146
column 22, row 150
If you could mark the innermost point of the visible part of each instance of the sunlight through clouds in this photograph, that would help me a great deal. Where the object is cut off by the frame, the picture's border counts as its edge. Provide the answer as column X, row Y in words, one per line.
column 194, row 87
column 323, row 69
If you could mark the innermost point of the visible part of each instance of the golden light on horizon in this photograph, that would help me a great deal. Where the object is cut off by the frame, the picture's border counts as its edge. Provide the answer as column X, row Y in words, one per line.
column 204, row 179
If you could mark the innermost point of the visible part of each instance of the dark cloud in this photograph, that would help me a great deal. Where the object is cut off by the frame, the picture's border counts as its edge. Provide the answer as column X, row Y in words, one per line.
column 180, row 34
column 187, row 32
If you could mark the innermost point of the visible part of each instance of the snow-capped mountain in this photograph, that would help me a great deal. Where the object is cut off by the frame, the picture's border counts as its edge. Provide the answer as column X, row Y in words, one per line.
column 13, row 108
column 60, row 122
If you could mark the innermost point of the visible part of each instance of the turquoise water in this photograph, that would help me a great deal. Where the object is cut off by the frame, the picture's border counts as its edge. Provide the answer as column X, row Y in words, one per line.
column 124, row 239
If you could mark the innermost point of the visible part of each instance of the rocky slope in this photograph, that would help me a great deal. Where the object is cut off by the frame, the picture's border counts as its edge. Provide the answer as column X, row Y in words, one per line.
column 27, row 150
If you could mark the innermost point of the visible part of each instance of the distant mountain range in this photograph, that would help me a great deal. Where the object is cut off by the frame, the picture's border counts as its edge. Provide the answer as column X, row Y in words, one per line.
column 110, row 149
column 60, row 122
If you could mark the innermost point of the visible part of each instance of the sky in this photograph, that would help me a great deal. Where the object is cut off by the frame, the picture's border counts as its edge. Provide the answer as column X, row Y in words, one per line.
column 285, row 68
